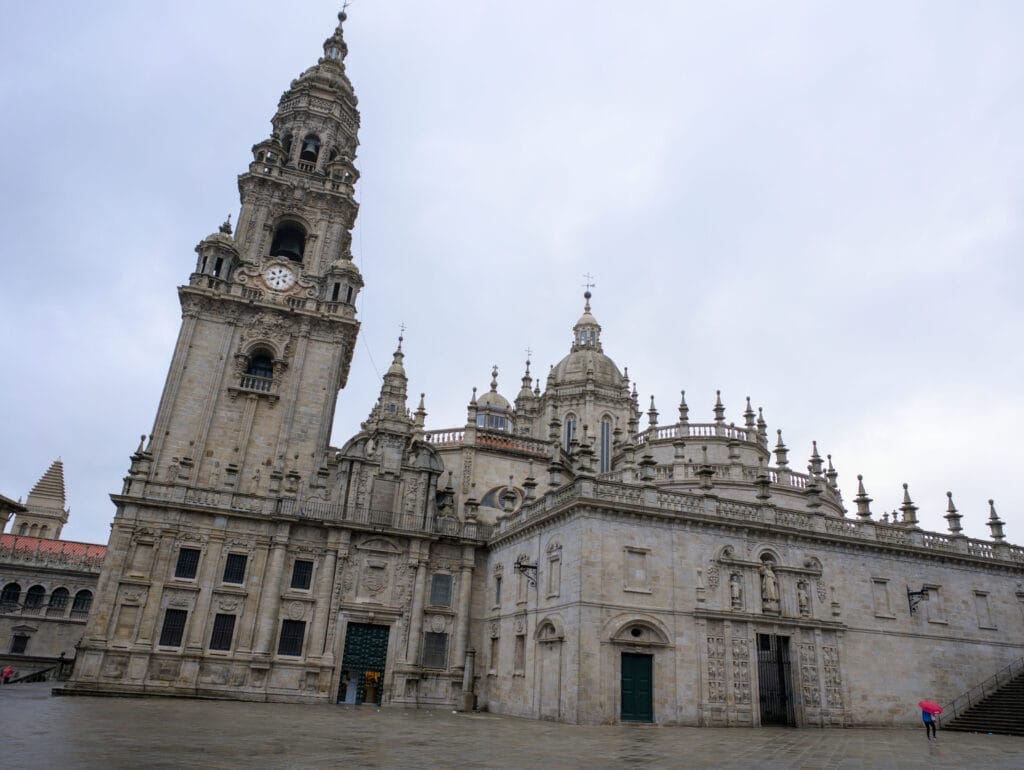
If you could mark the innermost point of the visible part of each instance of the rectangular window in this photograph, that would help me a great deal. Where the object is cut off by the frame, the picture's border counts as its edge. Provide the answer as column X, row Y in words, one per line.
column 302, row 574
column 188, row 563
column 554, row 576
column 234, row 568
column 495, row 649
column 933, row 607
column 519, row 661
column 435, row 650
column 223, row 632
column 292, row 634
column 174, row 628
column 441, row 590
column 19, row 644
column 880, row 594
column 984, row 611
column 636, row 577
column 497, row 590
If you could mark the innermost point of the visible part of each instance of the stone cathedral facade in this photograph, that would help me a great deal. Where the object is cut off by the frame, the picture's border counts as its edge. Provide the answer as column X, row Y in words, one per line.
column 562, row 555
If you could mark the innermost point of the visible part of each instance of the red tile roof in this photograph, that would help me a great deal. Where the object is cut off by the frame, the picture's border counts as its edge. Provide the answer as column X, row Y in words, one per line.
column 17, row 543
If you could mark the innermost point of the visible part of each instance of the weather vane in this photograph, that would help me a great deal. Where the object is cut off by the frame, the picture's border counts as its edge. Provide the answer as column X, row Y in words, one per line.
column 590, row 281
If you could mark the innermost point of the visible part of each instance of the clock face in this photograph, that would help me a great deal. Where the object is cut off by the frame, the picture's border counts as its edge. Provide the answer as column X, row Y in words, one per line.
column 279, row 277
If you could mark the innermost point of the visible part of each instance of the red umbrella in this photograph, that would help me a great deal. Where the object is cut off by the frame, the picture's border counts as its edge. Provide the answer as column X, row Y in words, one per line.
column 931, row 708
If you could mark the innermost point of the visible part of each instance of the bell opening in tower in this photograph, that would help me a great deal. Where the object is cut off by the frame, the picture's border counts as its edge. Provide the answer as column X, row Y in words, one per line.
column 289, row 242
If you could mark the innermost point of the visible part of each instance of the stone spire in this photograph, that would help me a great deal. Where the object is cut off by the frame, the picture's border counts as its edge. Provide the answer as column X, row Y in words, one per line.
column 762, row 428
column 719, row 408
column 652, row 415
column 684, row 410
column 749, row 417
column 862, row 501
column 953, row 516
column 46, row 507
column 908, row 509
column 995, row 524
column 780, row 451
column 390, row 413
column 814, row 468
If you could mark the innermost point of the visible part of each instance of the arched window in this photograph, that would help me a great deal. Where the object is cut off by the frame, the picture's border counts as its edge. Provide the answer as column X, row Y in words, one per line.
column 286, row 143
column 11, row 594
column 261, row 364
column 44, row 531
column 310, row 148
column 289, row 241
column 58, row 602
column 606, row 444
column 33, row 530
column 570, row 430
column 23, row 530
column 34, row 597
column 82, row 604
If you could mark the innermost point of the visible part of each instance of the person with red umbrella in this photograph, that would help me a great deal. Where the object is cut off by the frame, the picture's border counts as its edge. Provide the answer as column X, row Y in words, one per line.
column 929, row 711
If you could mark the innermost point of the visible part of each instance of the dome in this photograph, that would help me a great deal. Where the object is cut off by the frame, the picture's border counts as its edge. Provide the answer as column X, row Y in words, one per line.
column 493, row 400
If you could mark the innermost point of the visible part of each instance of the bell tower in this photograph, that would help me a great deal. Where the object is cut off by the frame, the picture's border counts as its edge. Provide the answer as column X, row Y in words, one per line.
column 268, row 316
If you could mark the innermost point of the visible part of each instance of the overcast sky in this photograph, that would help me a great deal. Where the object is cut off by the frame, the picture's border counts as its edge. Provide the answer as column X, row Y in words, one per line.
column 818, row 205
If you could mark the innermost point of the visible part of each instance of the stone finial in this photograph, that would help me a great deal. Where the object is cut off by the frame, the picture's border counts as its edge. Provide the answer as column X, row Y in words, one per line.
column 908, row 509
column 471, row 503
column 814, row 468
column 472, row 401
column 995, row 524
column 719, row 409
column 494, row 379
column 952, row 516
column 421, row 412
column 762, row 427
column 142, row 442
column 652, row 415
column 636, row 397
column 529, row 484
column 831, row 474
column 813, row 490
column 862, row 501
column 226, row 227
column 684, row 410
column 780, row 451
column 749, row 416
column 705, row 471
column 763, row 481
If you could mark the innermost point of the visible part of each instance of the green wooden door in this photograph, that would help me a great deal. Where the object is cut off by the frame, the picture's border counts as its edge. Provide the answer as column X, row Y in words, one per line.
column 637, row 688
column 366, row 654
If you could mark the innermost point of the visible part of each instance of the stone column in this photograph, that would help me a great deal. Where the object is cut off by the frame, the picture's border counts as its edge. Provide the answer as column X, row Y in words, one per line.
column 105, row 601
column 271, row 599
column 465, row 594
column 165, row 549
column 323, row 601
column 207, row 579
column 416, row 616
column 467, row 681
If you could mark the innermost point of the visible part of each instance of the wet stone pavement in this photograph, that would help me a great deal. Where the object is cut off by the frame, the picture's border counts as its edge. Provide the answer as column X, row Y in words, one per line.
column 43, row 732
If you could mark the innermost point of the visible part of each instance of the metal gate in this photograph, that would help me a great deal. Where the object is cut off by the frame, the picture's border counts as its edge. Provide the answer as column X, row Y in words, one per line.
column 366, row 655
column 774, row 678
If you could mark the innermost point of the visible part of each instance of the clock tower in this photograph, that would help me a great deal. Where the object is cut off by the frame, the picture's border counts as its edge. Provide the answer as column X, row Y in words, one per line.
column 220, row 570
column 269, row 321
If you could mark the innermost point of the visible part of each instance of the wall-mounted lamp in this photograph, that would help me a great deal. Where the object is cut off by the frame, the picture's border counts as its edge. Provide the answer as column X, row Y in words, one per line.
column 914, row 598
column 530, row 570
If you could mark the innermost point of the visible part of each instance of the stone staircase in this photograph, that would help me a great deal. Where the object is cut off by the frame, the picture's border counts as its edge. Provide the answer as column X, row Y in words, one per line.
column 994, row 706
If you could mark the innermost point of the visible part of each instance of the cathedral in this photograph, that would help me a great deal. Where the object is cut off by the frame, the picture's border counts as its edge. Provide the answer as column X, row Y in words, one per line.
column 562, row 555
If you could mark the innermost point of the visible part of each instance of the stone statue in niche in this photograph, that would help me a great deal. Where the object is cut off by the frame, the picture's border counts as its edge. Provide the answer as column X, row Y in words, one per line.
column 803, row 599
column 736, row 591
column 769, row 588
